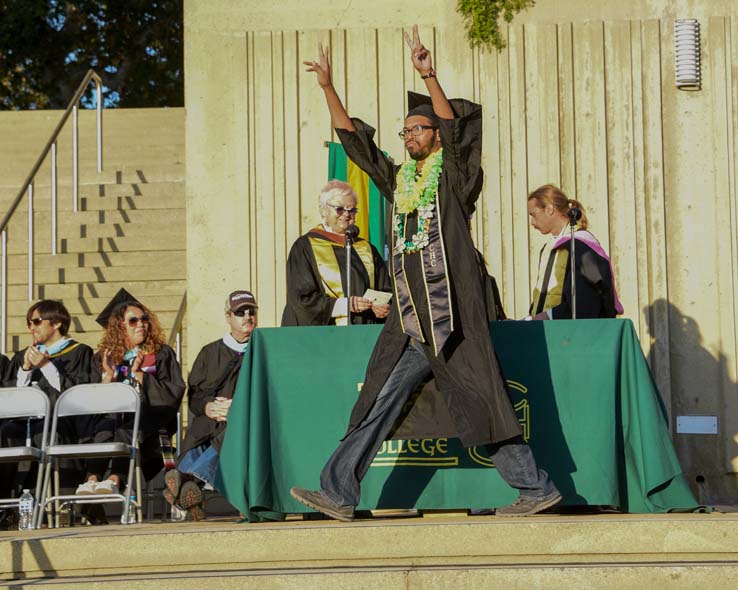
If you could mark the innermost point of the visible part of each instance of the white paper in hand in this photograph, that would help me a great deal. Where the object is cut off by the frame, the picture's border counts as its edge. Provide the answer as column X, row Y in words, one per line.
column 379, row 297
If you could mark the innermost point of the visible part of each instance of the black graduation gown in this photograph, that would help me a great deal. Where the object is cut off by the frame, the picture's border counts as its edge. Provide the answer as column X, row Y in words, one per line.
column 595, row 295
column 72, row 363
column 161, row 396
column 161, row 392
column 308, row 304
column 5, row 379
column 73, row 366
column 466, row 369
column 214, row 374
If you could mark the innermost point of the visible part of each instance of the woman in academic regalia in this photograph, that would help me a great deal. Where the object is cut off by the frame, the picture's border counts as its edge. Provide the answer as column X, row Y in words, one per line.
column 316, row 269
column 133, row 350
column 596, row 296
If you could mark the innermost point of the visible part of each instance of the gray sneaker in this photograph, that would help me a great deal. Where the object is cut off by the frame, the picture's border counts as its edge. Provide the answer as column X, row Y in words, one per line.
column 528, row 506
column 322, row 503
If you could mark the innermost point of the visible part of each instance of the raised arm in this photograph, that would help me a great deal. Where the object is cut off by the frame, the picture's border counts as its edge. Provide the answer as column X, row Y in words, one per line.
column 423, row 63
column 322, row 68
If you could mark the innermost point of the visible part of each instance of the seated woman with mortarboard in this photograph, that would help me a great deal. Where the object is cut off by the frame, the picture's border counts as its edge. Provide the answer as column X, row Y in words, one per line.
column 133, row 350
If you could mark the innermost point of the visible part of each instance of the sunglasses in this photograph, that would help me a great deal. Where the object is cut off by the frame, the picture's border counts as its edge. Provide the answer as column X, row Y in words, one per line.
column 341, row 210
column 133, row 321
column 239, row 313
column 36, row 321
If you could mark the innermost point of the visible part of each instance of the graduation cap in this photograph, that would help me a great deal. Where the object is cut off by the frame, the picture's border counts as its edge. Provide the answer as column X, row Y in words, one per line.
column 121, row 299
column 422, row 105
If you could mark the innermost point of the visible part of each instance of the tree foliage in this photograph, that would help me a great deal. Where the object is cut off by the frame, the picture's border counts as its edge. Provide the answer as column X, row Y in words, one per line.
column 482, row 19
column 47, row 46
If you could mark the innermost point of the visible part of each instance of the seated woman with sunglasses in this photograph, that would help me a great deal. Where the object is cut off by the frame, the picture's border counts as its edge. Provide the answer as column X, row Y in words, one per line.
column 133, row 350
column 316, row 269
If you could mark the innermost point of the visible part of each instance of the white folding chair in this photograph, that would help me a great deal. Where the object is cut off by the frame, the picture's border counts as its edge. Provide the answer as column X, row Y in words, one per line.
column 94, row 399
column 29, row 403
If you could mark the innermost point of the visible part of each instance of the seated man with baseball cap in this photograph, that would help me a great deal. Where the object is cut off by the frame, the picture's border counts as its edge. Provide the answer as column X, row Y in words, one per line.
column 211, row 384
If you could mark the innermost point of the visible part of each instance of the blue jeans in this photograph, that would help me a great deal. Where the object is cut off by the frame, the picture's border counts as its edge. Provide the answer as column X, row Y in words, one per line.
column 202, row 462
column 341, row 477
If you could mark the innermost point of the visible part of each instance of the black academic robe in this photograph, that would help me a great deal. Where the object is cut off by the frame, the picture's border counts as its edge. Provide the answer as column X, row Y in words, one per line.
column 72, row 363
column 6, row 380
column 466, row 369
column 594, row 281
column 308, row 302
column 214, row 374
column 161, row 396
column 73, row 366
column 161, row 392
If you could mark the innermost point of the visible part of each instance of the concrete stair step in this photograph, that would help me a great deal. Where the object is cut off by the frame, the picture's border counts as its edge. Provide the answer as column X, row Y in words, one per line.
column 549, row 551
column 154, row 242
column 102, row 260
column 105, row 191
column 45, row 275
column 111, row 217
column 166, row 195
column 18, row 294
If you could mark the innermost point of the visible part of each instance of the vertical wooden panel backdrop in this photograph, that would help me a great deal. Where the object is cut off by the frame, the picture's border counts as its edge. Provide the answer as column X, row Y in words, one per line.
column 589, row 106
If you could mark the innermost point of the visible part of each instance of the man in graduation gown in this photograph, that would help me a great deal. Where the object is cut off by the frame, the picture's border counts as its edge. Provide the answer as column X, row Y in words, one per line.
column 316, row 268
column 211, row 384
column 54, row 362
column 438, row 323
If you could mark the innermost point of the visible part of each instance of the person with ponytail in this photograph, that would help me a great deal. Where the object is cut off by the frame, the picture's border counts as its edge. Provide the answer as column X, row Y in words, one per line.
column 596, row 296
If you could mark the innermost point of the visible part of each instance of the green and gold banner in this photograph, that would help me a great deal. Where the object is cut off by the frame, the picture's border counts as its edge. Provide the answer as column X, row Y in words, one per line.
column 581, row 389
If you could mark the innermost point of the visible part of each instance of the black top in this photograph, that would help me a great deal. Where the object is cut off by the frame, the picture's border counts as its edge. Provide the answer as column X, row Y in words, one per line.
column 480, row 409
column 214, row 374
column 308, row 304
column 595, row 295
column 72, row 364
column 162, row 391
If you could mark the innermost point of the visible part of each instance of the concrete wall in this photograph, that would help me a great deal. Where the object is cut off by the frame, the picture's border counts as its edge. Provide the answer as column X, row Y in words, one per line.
column 584, row 97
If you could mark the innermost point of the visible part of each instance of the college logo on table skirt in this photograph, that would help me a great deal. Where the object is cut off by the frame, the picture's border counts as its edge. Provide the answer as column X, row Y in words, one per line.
column 522, row 409
column 449, row 452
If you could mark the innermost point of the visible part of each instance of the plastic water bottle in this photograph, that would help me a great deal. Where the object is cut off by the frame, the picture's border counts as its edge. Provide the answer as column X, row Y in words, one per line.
column 177, row 514
column 131, row 512
column 25, row 511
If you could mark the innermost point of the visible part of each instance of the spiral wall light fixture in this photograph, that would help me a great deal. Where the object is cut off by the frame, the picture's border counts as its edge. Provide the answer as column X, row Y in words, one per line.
column 687, row 54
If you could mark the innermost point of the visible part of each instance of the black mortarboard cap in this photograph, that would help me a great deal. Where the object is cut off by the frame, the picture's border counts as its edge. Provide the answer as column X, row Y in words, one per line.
column 420, row 104
column 122, row 297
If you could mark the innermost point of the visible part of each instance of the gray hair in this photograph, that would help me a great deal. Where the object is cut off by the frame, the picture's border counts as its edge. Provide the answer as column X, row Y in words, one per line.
column 335, row 188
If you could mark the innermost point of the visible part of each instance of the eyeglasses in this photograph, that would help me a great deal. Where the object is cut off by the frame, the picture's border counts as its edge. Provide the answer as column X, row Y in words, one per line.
column 242, row 312
column 415, row 130
column 341, row 210
column 36, row 321
column 133, row 320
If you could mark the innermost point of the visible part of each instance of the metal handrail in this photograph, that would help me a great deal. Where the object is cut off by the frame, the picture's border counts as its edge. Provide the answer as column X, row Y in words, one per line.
column 27, row 189
column 175, row 336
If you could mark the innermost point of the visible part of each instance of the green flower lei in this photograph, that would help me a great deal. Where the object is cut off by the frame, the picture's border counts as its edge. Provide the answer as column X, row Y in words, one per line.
column 414, row 194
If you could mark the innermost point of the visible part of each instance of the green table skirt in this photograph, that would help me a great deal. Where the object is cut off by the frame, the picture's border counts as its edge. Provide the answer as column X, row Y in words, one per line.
column 581, row 389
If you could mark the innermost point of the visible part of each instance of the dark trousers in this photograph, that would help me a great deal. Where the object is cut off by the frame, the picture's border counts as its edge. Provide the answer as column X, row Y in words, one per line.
column 341, row 477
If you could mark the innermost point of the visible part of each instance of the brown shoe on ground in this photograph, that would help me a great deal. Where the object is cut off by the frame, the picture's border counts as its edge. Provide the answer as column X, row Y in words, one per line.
column 173, row 482
column 528, row 506
column 189, row 495
column 197, row 512
column 322, row 503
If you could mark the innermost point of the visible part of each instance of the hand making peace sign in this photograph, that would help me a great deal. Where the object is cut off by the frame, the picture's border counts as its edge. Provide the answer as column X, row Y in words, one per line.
column 419, row 54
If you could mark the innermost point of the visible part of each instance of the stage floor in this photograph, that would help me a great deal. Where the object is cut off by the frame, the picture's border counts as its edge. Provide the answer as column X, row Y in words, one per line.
column 603, row 550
